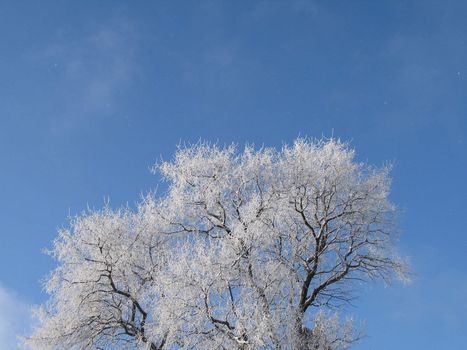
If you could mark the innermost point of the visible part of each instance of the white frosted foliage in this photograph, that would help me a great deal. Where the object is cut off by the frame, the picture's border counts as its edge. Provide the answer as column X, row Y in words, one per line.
column 245, row 250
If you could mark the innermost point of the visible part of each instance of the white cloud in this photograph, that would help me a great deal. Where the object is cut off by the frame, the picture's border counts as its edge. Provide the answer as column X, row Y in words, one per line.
column 15, row 319
column 89, row 70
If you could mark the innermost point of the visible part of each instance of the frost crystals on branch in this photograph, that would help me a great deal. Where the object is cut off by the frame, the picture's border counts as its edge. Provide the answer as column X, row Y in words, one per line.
column 246, row 250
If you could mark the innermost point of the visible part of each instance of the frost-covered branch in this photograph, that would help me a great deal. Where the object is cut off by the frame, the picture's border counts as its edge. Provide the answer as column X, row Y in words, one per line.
column 245, row 250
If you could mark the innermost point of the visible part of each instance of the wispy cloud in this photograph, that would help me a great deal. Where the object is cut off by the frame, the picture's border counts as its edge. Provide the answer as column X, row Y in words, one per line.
column 15, row 319
column 89, row 71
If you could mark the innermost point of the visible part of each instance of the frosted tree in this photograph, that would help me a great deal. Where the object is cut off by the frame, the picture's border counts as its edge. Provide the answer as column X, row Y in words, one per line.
column 246, row 250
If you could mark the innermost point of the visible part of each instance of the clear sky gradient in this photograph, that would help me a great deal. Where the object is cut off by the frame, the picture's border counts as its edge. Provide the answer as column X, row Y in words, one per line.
column 94, row 92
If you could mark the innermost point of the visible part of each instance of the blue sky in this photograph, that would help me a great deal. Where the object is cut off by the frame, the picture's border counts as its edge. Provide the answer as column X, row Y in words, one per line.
column 94, row 92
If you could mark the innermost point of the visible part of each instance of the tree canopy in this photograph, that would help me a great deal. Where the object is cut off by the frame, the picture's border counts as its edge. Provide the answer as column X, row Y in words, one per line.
column 250, row 249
